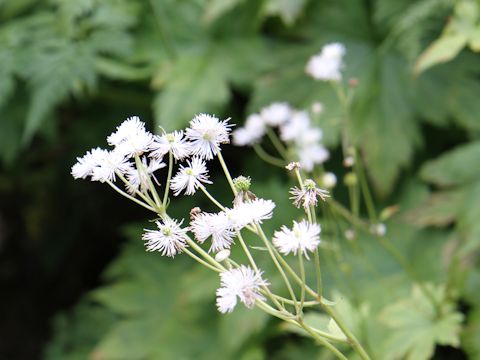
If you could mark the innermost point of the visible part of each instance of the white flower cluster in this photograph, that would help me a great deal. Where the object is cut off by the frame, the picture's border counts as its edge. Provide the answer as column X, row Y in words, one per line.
column 201, row 140
column 327, row 65
column 222, row 226
column 295, row 129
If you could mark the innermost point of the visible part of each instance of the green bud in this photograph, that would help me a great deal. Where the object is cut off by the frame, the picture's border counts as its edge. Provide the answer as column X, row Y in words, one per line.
column 350, row 179
column 242, row 183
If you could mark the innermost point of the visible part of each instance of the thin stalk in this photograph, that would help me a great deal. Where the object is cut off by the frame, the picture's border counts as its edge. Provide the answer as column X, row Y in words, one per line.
column 302, row 277
column 277, row 143
column 322, row 341
column 290, row 302
column 318, row 270
column 365, row 190
column 151, row 187
column 169, row 177
column 353, row 340
column 201, row 261
column 205, row 255
column 262, row 154
column 212, row 199
column 145, row 197
column 279, row 267
column 130, row 197
column 225, row 170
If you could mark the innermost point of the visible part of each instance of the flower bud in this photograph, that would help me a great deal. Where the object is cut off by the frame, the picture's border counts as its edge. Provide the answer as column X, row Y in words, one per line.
column 222, row 255
column 350, row 179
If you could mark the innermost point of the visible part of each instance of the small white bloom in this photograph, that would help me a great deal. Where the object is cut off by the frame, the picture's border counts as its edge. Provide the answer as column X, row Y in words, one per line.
column 304, row 236
column 206, row 133
column 276, row 114
column 189, row 178
column 108, row 163
column 173, row 142
column 131, row 138
column 247, row 212
column 308, row 196
column 312, row 154
column 317, row 108
column 222, row 255
column 251, row 133
column 137, row 178
column 350, row 234
column 85, row 164
column 217, row 226
column 329, row 180
column 379, row 229
column 169, row 239
column 297, row 126
column 349, row 161
column 242, row 282
column 328, row 64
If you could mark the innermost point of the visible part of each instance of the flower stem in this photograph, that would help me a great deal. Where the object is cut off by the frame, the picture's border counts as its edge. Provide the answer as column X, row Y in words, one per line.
column 169, row 177
column 322, row 341
column 225, row 170
column 130, row 197
column 262, row 154
column 212, row 199
column 302, row 277
column 201, row 261
column 277, row 143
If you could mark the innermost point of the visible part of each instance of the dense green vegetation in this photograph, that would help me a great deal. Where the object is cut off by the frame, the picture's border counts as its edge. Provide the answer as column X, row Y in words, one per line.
column 70, row 71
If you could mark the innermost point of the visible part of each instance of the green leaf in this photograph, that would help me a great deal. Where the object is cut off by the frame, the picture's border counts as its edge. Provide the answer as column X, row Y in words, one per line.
column 440, row 51
column 471, row 334
column 455, row 167
column 415, row 327
column 288, row 10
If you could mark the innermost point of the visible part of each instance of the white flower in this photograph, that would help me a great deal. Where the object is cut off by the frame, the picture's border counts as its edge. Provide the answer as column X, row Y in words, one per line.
column 307, row 196
column 85, row 164
column 242, row 282
column 172, row 142
column 206, row 133
column 131, row 138
column 108, row 163
column 329, row 180
column 317, row 108
column 304, row 236
column 217, row 226
column 137, row 178
column 247, row 212
column 169, row 239
column 328, row 64
column 276, row 113
column 312, row 154
column 379, row 229
column 190, row 177
column 297, row 126
column 251, row 133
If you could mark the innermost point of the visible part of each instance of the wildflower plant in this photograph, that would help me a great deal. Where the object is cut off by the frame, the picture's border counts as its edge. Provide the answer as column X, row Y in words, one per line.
column 131, row 169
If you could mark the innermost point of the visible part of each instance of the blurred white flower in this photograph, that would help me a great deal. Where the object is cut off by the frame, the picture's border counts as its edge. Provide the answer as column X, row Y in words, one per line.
column 173, row 142
column 304, row 236
column 252, row 131
column 242, row 282
column 217, row 226
column 328, row 63
column 310, row 155
column 206, row 133
column 317, row 108
column 169, row 239
column 190, row 177
column 329, row 180
column 276, row 113
column 298, row 125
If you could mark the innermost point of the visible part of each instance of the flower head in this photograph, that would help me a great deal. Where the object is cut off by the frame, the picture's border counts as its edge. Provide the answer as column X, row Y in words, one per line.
column 247, row 212
column 137, row 177
column 303, row 236
column 131, row 138
column 107, row 164
column 169, row 239
column 296, row 126
column 242, row 282
column 190, row 177
column 173, row 142
column 276, row 113
column 217, row 226
column 206, row 133
column 308, row 196
column 328, row 64
column 312, row 154
column 252, row 131
column 85, row 164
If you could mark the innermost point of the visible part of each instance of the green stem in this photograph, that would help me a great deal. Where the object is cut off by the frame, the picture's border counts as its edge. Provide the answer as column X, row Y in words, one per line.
column 225, row 170
column 322, row 341
column 302, row 277
column 145, row 197
column 212, row 199
column 262, row 154
column 169, row 177
column 130, row 197
column 201, row 261
column 277, row 143
column 318, row 270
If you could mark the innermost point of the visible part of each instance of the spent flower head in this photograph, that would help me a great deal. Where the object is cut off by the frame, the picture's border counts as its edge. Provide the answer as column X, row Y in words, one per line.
column 242, row 283
column 308, row 195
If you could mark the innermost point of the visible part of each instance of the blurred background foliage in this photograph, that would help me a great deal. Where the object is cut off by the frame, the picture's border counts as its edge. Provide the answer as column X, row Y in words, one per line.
column 70, row 71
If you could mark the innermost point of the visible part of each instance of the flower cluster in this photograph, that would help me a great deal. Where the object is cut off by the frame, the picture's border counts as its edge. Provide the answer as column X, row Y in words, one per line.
column 294, row 128
column 302, row 237
column 327, row 65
